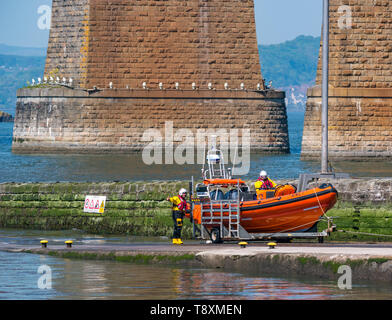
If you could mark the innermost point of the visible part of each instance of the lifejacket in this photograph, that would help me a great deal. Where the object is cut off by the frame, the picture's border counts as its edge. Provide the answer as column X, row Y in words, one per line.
column 182, row 205
column 266, row 184
column 179, row 203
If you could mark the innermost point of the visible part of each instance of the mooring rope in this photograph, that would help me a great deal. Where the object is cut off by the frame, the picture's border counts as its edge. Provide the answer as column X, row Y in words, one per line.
column 318, row 200
column 354, row 232
column 366, row 233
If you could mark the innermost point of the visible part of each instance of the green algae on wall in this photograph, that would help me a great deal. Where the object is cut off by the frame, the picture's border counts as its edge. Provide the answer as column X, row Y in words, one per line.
column 142, row 258
column 365, row 222
column 131, row 208
column 140, row 208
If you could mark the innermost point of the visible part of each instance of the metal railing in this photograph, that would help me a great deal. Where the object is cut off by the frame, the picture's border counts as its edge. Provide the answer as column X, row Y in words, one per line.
column 221, row 214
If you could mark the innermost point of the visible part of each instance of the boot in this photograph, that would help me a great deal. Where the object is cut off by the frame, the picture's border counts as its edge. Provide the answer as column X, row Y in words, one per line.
column 179, row 241
column 175, row 241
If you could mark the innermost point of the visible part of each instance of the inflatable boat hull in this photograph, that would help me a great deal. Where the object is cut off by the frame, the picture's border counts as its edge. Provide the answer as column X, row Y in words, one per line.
column 297, row 212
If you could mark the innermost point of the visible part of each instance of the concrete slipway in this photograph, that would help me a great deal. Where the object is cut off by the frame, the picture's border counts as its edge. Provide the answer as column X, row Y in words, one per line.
column 367, row 261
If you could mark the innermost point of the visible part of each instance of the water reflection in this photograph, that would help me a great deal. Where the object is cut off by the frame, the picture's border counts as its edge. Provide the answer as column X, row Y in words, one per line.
column 126, row 281
column 84, row 279
column 227, row 286
column 79, row 237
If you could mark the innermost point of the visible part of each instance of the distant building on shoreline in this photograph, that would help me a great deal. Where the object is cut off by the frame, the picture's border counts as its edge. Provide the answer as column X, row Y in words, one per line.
column 5, row 117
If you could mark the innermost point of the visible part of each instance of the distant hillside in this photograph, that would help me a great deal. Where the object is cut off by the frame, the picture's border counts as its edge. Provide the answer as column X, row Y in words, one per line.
column 15, row 71
column 291, row 63
column 291, row 66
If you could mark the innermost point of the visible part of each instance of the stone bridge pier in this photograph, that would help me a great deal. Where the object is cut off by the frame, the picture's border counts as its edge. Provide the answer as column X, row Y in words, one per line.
column 360, row 84
column 136, row 65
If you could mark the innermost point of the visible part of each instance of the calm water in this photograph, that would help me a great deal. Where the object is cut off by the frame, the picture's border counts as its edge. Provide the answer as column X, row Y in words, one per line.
column 74, row 279
column 42, row 168
column 78, row 279
column 52, row 168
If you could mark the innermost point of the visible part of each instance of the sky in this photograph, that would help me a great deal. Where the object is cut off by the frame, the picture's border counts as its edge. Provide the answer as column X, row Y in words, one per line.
column 281, row 20
column 21, row 23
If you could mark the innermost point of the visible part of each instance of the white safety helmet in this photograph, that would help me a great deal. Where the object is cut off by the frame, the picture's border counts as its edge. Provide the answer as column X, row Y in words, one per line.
column 263, row 174
column 182, row 191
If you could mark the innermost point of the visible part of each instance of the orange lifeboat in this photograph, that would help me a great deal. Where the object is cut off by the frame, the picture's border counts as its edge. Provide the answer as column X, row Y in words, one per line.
column 223, row 182
column 285, row 211
column 242, row 214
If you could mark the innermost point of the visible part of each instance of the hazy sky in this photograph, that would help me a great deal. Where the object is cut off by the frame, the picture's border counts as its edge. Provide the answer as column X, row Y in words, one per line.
column 276, row 21
column 281, row 20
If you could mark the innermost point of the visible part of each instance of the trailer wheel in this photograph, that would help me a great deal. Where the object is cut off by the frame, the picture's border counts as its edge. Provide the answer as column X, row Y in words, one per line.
column 216, row 236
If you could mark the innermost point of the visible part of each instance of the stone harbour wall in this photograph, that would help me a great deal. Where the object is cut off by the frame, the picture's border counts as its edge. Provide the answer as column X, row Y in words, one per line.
column 361, row 191
column 132, row 208
column 140, row 208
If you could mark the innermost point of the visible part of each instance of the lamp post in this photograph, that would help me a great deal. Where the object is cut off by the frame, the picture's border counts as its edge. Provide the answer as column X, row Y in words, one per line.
column 324, row 115
column 305, row 178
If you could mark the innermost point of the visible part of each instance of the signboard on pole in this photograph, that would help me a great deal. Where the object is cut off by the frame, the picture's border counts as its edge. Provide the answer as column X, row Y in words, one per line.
column 94, row 204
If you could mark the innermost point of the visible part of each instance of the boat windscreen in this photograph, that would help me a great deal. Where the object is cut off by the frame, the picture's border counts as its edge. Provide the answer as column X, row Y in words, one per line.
column 217, row 195
column 201, row 189
column 232, row 195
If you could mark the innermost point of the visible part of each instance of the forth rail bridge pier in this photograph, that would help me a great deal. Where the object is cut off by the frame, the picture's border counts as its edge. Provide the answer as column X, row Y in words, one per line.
column 136, row 65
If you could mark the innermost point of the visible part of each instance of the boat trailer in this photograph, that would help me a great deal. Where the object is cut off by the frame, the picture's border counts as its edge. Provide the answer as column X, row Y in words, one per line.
column 220, row 219
column 219, row 227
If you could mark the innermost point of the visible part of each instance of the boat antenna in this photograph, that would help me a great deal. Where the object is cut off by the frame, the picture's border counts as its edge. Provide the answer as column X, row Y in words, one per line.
column 213, row 142
column 234, row 162
column 204, row 161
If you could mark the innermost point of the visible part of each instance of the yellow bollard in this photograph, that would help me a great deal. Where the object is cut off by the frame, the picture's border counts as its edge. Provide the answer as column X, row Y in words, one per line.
column 44, row 243
column 243, row 244
column 271, row 245
column 68, row 243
